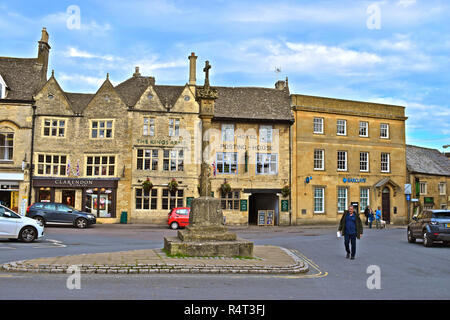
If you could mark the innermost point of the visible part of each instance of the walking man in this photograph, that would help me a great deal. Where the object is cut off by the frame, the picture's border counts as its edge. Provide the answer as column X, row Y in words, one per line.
column 351, row 228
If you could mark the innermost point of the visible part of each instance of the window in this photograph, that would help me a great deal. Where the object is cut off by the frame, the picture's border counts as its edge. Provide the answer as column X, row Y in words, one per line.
column 6, row 146
column 173, row 160
column 100, row 166
column 318, row 125
column 342, row 199
column 230, row 200
column 265, row 134
column 319, row 200
column 146, row 200
column 174, row 127
column 442, row 188
column 364, row 198
column 342, row 160
column 384, row 130
column 423, row 188
column 385, row 165
column 101, row 129
column 364, row 161
column 172, row 200
column 227, row 132
column 319, row 159
column 363, row 129
column 266, row 163
column 341, row 127
column 149, row 127
column 147, row 159
column 227, row 162
column 54, row 127
column 55, row 165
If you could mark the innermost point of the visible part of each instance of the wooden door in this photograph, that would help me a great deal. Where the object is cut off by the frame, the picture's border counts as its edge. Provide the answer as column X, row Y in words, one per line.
column 386, row 205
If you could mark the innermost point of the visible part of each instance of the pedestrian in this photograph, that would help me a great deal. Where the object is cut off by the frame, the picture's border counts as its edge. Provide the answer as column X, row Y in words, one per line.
column 378, row 218
column 371, row 218
column 366, row 214
column 351, row 228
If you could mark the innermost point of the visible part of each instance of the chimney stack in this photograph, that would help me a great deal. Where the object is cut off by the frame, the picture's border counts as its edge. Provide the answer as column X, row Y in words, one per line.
column 192, row 69
column 44, row 53
column 136, row 73
column 280, row 85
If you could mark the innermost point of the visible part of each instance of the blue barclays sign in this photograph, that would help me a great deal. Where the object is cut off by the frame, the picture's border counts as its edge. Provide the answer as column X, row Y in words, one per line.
column 354, row 180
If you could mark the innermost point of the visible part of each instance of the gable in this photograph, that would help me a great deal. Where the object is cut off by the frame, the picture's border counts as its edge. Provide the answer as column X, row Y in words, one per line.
column 150, row 101
column 106, row 101
column 186, row 102
column 51, row 99
column 3, row 87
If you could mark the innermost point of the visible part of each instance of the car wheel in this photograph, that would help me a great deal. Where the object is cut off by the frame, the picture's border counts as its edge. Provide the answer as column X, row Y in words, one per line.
column 174, row 225
column 28, row 234
column 81, row 223
column 427, row 242
column 411, row 239
column 40, row 219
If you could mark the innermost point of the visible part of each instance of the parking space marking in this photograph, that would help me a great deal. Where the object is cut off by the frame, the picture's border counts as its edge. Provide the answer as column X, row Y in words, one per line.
column 48, row 243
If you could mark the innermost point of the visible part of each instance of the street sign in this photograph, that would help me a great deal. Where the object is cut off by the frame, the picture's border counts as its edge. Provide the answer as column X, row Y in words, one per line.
column 408, row 197
column 408, row 188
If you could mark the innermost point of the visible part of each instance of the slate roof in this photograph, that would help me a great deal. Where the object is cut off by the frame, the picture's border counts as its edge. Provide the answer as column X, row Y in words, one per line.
column 132, row 89
column 24, row 77
column 168, row 94
column 79, row 101
column 428, row 161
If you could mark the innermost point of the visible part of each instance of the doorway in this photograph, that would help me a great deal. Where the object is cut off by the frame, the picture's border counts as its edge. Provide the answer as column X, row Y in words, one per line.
column 386, row 205
column 262, row 201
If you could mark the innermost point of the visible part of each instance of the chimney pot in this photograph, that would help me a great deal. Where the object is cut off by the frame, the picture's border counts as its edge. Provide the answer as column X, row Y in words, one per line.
column 136, row 73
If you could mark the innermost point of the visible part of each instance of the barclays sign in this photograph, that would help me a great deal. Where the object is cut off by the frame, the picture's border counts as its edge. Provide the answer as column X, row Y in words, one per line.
column 354, row 180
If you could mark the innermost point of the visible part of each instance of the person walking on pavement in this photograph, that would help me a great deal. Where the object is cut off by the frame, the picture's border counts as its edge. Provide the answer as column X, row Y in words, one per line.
column 371, row 218
column 366, row 214
column 378, row 218
column 351, row 228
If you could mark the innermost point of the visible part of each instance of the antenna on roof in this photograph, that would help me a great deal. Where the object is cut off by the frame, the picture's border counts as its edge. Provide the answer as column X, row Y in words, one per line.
column 277, row 71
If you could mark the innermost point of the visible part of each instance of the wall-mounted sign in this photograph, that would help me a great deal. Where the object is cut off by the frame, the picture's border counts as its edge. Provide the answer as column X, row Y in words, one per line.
column 161, row 142
column 428, row 200
column 189, row 201
column 284, row 205
column 243, row 205
column 354, row 180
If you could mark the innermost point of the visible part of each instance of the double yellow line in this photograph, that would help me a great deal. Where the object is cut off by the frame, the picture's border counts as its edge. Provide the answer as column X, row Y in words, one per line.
column 312, row 264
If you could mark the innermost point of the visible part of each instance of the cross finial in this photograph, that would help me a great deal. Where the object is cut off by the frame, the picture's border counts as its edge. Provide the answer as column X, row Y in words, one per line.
column 206, row 71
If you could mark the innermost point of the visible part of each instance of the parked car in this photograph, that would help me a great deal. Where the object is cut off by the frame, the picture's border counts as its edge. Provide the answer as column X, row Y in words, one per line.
column 14, row 226
column 178, row 217
column 50, row 212
column 430, row 225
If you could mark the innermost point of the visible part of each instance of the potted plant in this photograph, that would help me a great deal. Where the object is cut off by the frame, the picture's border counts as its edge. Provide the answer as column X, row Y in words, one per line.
column 147, row 185
column 225, row 187
column 286, row 191
column 173, row 185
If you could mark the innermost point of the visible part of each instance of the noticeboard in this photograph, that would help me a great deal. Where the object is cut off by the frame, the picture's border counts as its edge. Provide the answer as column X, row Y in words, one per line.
column 261, row 217
column 189, row 201
column 284, row 205
column 269, row 218
column 243, row 205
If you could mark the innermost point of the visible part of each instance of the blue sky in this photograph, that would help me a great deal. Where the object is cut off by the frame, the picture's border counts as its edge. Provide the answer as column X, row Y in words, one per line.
column 391, row 51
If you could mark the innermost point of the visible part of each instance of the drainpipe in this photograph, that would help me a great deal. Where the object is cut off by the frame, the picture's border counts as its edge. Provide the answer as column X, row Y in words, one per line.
column 32, row 154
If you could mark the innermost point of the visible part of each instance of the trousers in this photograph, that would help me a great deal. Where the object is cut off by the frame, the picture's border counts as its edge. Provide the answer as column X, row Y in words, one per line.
column 350, row 239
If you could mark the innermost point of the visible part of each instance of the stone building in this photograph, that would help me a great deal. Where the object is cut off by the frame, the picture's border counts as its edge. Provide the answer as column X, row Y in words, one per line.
column 347, row 152
column 20, row 80
column 428, row 172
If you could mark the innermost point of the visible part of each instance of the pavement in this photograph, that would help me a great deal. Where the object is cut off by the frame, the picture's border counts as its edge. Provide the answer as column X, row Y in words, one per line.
column 267, row 260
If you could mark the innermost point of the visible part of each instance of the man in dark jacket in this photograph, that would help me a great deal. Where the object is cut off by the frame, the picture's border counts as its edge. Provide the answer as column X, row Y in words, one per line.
column 351, row 228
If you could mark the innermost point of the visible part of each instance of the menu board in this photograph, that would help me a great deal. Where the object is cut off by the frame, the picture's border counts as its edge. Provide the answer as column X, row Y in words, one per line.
column 269, row 218
column 261, row 217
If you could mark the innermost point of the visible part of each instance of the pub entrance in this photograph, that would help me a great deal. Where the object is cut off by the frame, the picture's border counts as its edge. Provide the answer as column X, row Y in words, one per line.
column 386, row 205
column 262, row 199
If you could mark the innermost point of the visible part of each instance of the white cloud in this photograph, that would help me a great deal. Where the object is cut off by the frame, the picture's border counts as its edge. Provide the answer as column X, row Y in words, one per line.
column 75, row 53
column 406, row 3
column 78, row 79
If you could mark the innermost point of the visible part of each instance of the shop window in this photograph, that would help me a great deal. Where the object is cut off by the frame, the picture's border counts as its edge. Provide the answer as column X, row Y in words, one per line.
column 54, row 127
column 6, row 146
column 149, row 127
column 147, row 159
column 98, row 166
column 101, row 129
column 266, row 163
column 146, row 200
column 44, row 195
column 173, row 160
column 99, row 202
column 227, row 162
column 230, row 200
column 52, row 165
column 172, row 200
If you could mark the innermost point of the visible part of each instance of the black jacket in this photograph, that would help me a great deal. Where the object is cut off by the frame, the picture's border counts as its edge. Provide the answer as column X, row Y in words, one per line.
column 359, row 226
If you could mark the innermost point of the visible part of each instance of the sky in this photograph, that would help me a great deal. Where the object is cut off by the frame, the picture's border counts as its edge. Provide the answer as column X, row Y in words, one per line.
column 392, row 51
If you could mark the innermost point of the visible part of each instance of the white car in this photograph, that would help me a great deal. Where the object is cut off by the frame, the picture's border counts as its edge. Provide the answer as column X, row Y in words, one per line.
column 14, row 226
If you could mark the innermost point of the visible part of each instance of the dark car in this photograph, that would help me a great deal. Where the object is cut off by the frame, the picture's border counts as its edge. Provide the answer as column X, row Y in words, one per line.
column 430, row 225
column 50, row 212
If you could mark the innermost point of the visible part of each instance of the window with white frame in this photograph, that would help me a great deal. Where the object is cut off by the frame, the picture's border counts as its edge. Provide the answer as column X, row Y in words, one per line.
column 54, row 127
column 423, row 188
column 52, row 165
column 173, row 160
column 6, row 146
column 341, row 129
column 101, row 129
column 319, row 159
column 146, row 200
column 384, row 130
column 385, row 163
column 227, row 162
column 99, row 166
column 364, row 198
column 148, row 128
column 364, row 161
column 174, row 127
column 342, row 199
column 147, row 159
column 318, row 125
column 319, row 200
column 442, row 188
column 342, row 160
column 227, row 132
column 363, row 129
column 266, row 163
column 265, row 134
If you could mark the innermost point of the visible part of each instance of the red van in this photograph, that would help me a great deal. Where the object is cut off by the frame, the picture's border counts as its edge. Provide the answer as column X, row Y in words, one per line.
column 178, row 217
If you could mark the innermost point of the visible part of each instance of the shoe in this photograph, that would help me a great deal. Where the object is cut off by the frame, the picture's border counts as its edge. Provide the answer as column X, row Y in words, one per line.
column 348, row 255
column 352, row 258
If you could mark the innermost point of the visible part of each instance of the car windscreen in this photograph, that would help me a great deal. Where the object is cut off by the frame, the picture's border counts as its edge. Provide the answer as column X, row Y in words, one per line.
column 441, row 215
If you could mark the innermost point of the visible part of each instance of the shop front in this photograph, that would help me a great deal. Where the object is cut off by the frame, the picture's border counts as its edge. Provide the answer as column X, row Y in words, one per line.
column 9, row 189
column 96, row 196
